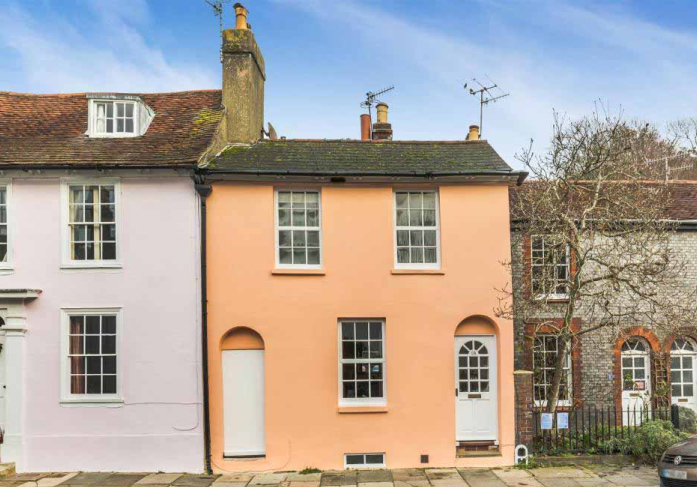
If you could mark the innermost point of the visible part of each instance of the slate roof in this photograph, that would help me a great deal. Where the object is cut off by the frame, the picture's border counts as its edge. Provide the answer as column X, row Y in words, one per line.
column 356, row 157
column 681, row 207
column 49, row 130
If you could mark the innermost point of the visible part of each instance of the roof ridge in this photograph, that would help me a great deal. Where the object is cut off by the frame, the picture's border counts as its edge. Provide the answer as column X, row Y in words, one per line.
column 85, row 93
column 359, row 141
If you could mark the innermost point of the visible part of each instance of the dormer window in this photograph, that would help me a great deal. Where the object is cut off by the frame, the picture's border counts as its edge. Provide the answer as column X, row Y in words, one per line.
column 117, row 116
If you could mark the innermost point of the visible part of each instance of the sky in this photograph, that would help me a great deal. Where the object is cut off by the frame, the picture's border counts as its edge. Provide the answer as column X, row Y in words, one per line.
column 631, row 57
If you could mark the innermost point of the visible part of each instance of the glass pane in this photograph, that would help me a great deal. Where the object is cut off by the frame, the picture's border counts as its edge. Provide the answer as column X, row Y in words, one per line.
column 109, row 110
column 402, row 218
column 94, row 365
column 77, row 365
column 94, row 384
column 312, row 238
column 108, row 344
column 401, row 199
column 348, row 350
column 402, row 238
column 374, row 459
column 285, row 256
column 299, row 218
column 638, row 361
column 687, row 376
column 362, row 350
column 464, row 387
column 429, row 218
column 129, row 125
column 108, row 213
column 376, row 371
column 484, row 361
column 676, row 390
column 362, row 330
column 415, row 218
column 415, row 200
column 347, row 331
column 474, row 386
column 375, row 331
column 119, row 125
column 119, row 110
column 283, row 199
column 129, row 110
column 626, row 362
column 299, row 238
column 285, row 238
column 77, row 324
column 109, row 233
column 485, row 386
column 110, row 126
column 675, row 362
column 362, row 389
column 430, row 256
column 92, row 345
column 109, row 384
column 376, row 349
column 348, row 371
column 349, row 390
column 688, row 390
column 430, row 238
column 687, row 362
column 77, row 384
column 92, row 325
column 109, row 365
column 403, row 255
column 362, row 371
column 313, row 256
column 312, row 200
column 109, row 325
column 376, row 390
column 417, row 238
column 299, row 256
column 299, row 200
column 312, row 218
column 429, row 200
column 417, row 256
column 354, row 459
column 675, row 376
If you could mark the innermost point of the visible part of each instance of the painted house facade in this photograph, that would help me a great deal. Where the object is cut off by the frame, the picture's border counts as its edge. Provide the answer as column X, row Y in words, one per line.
column 100, row 367
column 350, row 289
column 622, row 370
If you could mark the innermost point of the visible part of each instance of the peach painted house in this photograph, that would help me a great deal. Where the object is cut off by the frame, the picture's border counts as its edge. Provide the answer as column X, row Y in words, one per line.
column 350, row 288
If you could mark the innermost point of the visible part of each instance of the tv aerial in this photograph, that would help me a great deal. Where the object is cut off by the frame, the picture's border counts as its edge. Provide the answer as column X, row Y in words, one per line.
column 486, row 96
column 217, row 6
column 372, row 99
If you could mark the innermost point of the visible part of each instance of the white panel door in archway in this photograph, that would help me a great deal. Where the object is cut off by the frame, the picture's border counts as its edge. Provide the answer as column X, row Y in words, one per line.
column 636, row 381
column 683, row 355
column 476, row 398
column 243, row 403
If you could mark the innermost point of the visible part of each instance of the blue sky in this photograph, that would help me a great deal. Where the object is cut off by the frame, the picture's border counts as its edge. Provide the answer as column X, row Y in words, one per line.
column 323, row 55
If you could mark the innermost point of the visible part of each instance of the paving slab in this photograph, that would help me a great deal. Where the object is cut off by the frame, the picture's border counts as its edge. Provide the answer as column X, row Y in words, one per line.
column 235, row 477
column 435, row 474
column 335, row 478
column 559, row 472
column 229, row 484
column 628, row 480
column 268, row 479
column 511, row 474
column 304, row 477
column 24, row 477
column 159, row 479
column 376, row 484
column 304, row 484
column 122, row 479
column 51, row 480
column 449, row 482
column 88, row 478
column 374, row 476
column 593, row 482
column 193, row 480
column 481, row 478
column 558, row 482
column 406, row 474
column 411, row 483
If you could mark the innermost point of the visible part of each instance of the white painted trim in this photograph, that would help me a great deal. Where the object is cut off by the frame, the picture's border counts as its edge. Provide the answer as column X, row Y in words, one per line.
column 417, row 266
column 92, row 119
column 277, row 258
column 366, row 465
column 362, row 402
column 93, row 400
column 7, row 266
column 66, row 261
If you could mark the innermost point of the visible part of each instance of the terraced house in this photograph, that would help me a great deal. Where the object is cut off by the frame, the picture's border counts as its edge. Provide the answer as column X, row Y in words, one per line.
column 350, row 289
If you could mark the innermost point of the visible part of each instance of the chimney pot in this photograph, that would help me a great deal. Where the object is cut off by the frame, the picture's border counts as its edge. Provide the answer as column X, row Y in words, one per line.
column 365, row 126
column 382, row 112
column 241, row 17
column 474, row 133
column 382, row 129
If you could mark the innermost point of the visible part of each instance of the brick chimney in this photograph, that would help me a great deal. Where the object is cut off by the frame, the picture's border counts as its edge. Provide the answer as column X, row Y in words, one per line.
column 243, row 82
column 382, row 129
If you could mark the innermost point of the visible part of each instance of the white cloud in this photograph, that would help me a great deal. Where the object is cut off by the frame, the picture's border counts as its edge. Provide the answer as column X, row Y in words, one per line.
column 59, row 56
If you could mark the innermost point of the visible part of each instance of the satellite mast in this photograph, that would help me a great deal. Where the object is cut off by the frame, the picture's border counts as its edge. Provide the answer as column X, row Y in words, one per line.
column 485, row 97
column 371, row 98
column 217, row 6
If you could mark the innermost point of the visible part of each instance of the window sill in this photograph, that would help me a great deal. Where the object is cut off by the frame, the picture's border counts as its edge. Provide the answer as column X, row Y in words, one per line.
column 417, row 272
column 99, row 266
column 4, row 271
column 297, row 272
column 107, row 403
column 362, row 409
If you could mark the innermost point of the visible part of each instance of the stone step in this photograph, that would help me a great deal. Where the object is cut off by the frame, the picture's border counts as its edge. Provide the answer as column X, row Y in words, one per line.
column 7, row 469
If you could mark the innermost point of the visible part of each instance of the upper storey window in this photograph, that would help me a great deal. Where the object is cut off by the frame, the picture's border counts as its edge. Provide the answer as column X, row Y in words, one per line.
column 117, row 116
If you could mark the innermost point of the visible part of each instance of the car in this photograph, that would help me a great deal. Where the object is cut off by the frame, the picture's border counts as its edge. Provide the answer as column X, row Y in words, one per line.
column 678, row 465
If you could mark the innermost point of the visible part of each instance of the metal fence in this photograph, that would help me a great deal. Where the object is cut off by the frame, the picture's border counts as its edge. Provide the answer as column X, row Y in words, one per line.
column 593, row 429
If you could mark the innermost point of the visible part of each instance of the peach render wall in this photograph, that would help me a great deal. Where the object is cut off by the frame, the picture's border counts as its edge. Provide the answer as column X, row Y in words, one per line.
column 297, row 318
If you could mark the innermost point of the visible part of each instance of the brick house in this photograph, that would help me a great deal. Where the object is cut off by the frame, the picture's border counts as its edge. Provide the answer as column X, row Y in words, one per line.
column 624, row 368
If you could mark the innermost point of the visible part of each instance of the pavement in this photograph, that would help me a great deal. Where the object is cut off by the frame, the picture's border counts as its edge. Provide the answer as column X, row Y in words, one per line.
column 577, row 476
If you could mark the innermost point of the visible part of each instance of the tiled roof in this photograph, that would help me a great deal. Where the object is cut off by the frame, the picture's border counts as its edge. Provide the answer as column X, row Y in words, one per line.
column 361, row 157
column 50, row 130
column 681, row 207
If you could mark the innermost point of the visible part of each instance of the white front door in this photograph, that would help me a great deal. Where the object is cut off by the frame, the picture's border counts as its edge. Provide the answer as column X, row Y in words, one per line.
column 2, row 380
column 636, row 381
column 476, row 399
column 243, row 403
column 683, row 355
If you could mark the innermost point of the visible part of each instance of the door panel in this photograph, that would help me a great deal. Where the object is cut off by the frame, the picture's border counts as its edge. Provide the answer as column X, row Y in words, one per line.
column 243, row 403
column 476, row 400
column 636, row 387
column 682, row 379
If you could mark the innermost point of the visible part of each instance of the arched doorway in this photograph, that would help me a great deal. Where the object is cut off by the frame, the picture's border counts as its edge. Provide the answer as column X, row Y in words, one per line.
column 683, row 355
column 243, row 393
column 636, row 380
column 476, row 387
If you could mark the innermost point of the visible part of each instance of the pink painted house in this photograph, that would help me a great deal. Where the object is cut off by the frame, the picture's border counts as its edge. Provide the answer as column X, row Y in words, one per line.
column 100, row 367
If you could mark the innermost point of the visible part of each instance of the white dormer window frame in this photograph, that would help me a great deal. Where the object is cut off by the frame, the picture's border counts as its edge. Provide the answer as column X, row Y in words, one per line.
column 116, row 116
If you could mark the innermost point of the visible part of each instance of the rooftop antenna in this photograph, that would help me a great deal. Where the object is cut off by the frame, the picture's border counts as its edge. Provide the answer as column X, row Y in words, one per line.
column 217, row 6
column 372, row 99
column 485, row 97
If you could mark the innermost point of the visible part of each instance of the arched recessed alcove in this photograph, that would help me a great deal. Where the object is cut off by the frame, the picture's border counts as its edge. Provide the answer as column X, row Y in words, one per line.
column 477, row 325
column 242, row 351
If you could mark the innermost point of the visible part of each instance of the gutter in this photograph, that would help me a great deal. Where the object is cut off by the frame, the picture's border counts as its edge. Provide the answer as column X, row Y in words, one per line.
column 521, row 175
column 78, row 166
column 204, row 190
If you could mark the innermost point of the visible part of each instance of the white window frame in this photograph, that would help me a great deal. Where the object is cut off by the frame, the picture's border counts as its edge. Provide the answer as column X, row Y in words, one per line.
column 554, row 295
column 92, row 115
column 681, row 353
column 6, row 265
column 365, row 465
column 569, row 374
column 278, row 228
column 66, row 261
column 416, row 266
column 356, row 401
column 67, row 398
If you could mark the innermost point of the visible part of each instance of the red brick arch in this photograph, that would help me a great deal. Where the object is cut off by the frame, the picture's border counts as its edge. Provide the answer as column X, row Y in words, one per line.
column 634, row 331
column 689, row 332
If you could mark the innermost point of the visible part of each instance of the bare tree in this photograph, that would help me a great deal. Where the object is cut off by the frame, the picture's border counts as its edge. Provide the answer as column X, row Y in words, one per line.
column 595, row 214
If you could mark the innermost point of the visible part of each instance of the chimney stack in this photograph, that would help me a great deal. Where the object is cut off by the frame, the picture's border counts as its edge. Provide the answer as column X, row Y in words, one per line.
column 365, row 126
column 243, row 82
column 382, row 129
column 474, row 133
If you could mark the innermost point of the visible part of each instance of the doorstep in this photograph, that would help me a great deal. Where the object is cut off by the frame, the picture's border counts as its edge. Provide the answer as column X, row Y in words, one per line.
column 469, row 449
column 7, row 469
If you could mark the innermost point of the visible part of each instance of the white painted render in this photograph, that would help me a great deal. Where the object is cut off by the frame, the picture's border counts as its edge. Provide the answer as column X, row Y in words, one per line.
column 159, row 424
